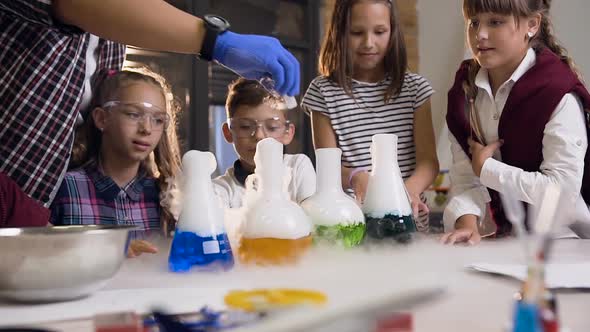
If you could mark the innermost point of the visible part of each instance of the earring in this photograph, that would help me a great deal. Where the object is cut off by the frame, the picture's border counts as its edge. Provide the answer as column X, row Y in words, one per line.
column 530, row 34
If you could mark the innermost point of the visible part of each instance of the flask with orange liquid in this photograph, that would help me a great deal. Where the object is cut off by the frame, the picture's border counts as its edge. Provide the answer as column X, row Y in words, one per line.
column 275, row 230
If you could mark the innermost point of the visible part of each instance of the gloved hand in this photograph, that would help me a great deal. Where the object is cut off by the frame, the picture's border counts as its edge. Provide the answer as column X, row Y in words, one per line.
column 254, row 57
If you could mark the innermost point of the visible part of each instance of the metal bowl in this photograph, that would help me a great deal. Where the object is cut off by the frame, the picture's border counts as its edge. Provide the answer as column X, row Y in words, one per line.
column 47, row 264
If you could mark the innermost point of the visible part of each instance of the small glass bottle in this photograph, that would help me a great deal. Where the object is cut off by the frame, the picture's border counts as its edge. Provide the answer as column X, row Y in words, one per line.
column 536, row 305
column 269, row 84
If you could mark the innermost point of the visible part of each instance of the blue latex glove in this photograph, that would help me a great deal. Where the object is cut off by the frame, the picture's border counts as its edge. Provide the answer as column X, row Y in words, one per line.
column 254, row 57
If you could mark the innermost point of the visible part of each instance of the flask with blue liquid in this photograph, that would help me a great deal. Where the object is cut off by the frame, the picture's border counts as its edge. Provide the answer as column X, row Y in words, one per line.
column 200, row 240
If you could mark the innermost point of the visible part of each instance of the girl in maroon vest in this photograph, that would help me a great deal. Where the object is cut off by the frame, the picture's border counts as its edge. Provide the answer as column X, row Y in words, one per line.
column 516, row 117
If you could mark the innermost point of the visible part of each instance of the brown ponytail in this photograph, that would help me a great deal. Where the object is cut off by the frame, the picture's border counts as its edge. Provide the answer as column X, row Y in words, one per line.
column 546, row 38
column 469, row 87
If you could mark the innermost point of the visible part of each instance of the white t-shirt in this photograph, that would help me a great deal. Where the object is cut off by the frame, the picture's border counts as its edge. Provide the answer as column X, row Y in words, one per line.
column 302, row 183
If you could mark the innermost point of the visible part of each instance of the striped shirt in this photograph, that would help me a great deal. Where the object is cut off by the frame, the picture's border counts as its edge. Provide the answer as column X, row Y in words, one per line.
column 88, row 197
column 42, row 74
column 356, row 120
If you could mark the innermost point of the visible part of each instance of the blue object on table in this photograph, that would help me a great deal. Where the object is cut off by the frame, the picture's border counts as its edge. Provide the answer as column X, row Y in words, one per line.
column 526, row 318
column 207, row 320
column 169, row 324
column 212, row 253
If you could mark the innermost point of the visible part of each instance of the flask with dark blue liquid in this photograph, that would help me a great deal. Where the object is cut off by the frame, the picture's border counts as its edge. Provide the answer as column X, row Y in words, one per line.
column 387, row 209
column 200, row 241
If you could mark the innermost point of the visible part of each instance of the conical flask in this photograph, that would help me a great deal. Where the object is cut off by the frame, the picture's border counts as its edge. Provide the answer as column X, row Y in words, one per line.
column 336, row 216
column 200, row 240
column 387, row 209
column 275, row 230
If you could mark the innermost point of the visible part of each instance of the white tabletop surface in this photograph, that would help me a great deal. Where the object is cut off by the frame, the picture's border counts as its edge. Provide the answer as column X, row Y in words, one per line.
column 472, row 301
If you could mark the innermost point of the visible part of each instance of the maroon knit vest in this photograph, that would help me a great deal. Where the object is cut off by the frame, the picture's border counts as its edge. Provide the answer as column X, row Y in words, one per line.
column 528, row 108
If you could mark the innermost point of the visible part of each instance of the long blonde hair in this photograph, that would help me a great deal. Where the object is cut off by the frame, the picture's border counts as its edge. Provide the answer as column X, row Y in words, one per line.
column 517, row 9
column 334, row 62
column 163, row 163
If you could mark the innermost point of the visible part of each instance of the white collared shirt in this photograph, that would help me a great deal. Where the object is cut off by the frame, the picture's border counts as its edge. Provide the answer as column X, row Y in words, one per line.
column 564, row 148
column 302, row 182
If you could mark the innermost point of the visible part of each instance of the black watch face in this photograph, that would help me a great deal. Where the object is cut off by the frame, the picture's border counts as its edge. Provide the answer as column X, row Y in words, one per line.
column 218, row 22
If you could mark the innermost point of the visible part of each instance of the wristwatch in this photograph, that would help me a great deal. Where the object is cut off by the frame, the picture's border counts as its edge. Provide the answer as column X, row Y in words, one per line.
column 214, row 26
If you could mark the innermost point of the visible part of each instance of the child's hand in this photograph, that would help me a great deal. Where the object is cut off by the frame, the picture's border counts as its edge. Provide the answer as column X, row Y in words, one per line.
column 359, row 185
column 138, row 247
column 480, row 153
column 418, row 205
column 466, row 231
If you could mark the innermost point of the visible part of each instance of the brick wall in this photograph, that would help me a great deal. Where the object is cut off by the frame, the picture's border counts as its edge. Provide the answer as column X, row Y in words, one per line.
column 409, row 19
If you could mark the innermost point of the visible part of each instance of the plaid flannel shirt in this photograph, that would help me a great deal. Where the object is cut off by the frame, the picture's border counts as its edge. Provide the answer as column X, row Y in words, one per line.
column 88, row 197
column 42, row 72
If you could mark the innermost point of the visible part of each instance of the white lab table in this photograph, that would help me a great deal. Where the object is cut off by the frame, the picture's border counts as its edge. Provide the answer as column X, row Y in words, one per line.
column 471, row 301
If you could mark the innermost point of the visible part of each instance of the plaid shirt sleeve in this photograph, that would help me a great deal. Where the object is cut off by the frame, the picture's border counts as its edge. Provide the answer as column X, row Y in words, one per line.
column 42, row 72
column 57, row 206
column 88, row 197
column 76, row 203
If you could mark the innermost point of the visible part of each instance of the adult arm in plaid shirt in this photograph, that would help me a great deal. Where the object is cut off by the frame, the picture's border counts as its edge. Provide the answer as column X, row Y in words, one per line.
column 43, row 70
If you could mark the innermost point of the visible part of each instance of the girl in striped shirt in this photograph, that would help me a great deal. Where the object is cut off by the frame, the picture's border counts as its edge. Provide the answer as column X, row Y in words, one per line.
column 365, row 89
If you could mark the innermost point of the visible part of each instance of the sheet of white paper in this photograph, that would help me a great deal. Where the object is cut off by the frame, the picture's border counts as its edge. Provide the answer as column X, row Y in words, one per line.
column 141, row 300
column 564, row 275
column 564, row 233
